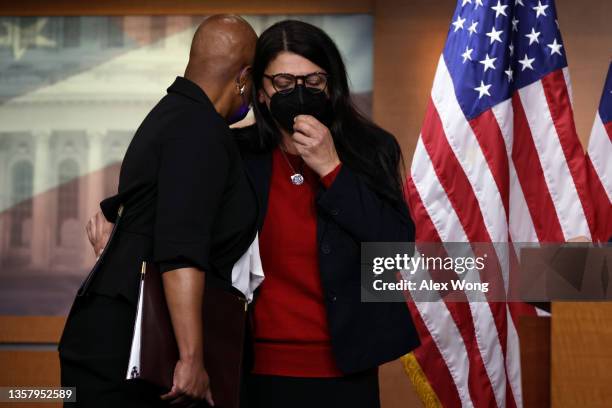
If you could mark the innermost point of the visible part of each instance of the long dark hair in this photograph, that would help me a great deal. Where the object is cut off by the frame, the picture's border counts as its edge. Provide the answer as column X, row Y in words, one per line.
column 364, row 147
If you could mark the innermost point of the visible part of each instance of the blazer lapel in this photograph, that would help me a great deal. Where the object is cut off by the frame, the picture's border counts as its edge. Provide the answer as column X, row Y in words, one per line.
column 259, row 172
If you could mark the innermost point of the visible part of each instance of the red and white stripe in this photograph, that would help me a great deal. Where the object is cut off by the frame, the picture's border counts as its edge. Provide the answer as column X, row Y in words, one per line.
column 600, row 175
column 515, row 173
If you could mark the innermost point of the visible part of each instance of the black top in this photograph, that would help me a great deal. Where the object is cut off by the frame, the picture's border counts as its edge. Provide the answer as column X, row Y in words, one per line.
column 187, row 199
column 363, row 335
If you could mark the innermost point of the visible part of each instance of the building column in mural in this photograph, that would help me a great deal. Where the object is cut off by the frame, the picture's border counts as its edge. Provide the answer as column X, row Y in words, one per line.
column 41, row 216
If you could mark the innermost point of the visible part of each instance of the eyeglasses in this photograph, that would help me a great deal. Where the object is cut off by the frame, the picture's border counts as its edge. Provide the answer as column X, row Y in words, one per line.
column 285, row 83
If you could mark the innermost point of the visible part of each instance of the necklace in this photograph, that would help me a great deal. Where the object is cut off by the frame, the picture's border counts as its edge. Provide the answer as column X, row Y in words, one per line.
column 297, row 178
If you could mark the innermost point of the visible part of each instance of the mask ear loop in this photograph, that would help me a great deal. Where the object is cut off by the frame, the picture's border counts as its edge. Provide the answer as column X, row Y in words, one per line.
column 263, row 88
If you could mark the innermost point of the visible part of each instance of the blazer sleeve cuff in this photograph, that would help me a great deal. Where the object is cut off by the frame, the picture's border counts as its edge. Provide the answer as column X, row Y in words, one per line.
column 343, row 188
column 170, row 256
column 165, row 266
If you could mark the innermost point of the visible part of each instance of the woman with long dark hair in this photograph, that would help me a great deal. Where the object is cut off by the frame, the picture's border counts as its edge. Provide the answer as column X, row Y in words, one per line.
column 327, row 179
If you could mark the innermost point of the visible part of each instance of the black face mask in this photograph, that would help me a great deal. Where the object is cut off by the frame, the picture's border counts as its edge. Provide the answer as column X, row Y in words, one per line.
column 300, row 101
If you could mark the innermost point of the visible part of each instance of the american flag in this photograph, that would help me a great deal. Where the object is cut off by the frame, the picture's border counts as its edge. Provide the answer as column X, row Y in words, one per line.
column 498, row 160
column 600, row 161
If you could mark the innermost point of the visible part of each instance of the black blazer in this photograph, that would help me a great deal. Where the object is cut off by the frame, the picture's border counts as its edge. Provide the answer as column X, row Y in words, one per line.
column 363, row 335
column 187, row 200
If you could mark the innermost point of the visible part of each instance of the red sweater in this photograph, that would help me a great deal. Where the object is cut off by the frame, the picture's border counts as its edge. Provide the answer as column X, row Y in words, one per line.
column 290, row 328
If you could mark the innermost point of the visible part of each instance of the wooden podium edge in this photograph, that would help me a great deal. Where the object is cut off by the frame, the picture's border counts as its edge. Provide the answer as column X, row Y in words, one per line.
column 535, row 342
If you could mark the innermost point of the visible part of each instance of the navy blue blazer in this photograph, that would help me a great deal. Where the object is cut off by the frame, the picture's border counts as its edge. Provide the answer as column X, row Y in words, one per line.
column 363, row 335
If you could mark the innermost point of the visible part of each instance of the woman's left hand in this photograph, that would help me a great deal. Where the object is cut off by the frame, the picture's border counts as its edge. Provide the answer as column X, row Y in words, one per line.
column 315, row 144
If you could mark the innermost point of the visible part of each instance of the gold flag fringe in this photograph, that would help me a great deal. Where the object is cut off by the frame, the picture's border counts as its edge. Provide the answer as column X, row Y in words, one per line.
column 419, row 380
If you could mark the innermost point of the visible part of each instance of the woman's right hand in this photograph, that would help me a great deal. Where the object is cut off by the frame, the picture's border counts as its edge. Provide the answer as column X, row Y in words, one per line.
column 98, row 231
column 190, row 383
